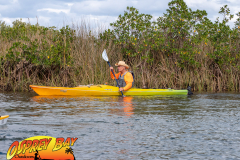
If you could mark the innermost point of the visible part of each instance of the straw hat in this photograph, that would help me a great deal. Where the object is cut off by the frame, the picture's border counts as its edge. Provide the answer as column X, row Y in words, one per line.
column 122, row 63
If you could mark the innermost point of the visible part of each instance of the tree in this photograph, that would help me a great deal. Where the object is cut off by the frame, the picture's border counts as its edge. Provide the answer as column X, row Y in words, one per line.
column 70, row 150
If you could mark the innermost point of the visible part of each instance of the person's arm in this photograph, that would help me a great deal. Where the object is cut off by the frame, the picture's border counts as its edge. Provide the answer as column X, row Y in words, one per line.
column 128, row 78
column 112, row 76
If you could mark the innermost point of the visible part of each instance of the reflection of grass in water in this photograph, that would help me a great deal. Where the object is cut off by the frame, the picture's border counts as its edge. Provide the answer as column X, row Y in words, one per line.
column 89, row 105
column 162, row 105
column 57, row 99
column 52, row 99
column 160, row 97
column 118, row 105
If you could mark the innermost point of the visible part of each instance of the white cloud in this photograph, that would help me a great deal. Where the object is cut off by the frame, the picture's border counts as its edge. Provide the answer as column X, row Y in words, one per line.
column 114, row 8
column 69, row 4
column 54, row 10
column 7, row 20
column 15, row 1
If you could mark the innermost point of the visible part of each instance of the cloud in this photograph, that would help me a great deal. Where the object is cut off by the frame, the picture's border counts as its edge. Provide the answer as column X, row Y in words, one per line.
column 114, row 8
column 54, row 10
column 60, row 12
column 213, row 7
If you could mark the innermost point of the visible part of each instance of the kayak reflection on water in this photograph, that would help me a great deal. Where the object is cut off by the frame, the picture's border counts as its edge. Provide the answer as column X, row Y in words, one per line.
column 128, row 109
column 124, row 106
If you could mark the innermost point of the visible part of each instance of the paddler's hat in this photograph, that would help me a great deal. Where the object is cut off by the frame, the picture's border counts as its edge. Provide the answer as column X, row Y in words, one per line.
column 122, row 63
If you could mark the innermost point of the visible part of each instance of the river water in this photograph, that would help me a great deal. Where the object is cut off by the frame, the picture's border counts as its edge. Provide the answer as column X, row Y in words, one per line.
column 202, row 126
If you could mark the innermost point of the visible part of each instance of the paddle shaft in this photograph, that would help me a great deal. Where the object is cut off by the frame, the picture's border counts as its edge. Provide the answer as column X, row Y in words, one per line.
column 114, row 76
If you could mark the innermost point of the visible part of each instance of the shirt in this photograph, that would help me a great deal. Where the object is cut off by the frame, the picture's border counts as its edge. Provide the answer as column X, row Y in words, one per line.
column 128, row 78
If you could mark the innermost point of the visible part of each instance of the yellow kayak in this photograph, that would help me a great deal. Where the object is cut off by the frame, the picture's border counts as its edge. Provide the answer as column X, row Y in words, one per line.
column 102, row 90
column 3, row 119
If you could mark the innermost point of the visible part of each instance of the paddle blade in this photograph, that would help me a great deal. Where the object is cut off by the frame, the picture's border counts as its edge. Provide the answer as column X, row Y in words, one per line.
column 104, row 55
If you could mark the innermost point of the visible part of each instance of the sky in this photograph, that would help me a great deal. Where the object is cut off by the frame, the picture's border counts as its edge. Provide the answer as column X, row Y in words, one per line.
column 59, row 13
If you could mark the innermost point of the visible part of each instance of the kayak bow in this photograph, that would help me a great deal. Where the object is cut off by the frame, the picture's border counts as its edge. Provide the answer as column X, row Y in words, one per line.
column 3, row 119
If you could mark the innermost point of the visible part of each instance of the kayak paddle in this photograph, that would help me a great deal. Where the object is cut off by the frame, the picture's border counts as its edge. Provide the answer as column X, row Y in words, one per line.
column 105, row 57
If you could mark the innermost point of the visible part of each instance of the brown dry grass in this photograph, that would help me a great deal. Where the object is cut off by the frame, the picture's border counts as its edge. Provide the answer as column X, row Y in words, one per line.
column 89, row 68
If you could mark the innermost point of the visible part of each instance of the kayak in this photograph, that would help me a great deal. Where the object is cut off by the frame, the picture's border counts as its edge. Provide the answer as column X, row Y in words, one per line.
column 102, row 90
column 3, row 119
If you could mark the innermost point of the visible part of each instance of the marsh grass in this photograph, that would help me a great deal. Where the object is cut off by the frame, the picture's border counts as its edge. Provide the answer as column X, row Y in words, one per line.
column 72, row 56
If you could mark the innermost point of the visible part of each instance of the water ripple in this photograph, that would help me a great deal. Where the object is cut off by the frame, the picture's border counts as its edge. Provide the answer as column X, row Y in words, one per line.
column 202, row 126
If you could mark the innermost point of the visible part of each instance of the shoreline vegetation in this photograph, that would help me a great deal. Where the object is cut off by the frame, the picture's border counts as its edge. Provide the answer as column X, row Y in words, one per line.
column 181, row 48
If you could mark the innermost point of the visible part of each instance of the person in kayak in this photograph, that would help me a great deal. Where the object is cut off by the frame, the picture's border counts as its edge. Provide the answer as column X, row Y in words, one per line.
column 125, row 78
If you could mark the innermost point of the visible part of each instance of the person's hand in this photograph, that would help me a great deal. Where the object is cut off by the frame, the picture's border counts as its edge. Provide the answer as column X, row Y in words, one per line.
column 111, row 68
column 121, row 89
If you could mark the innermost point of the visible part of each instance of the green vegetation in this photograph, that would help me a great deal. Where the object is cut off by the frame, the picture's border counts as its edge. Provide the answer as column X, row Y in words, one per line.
column 181, row 48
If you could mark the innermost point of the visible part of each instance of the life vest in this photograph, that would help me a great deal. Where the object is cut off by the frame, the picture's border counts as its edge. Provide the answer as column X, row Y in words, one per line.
column 121, row 80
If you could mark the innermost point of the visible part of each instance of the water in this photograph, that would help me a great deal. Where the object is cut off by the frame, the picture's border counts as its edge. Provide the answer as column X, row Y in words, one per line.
column 202, row 126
